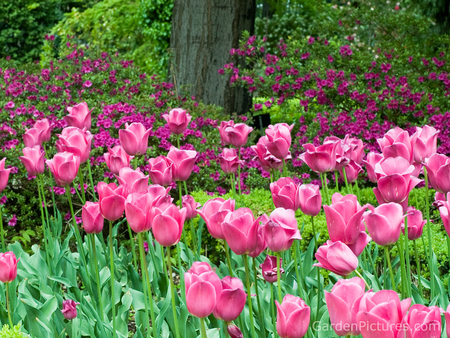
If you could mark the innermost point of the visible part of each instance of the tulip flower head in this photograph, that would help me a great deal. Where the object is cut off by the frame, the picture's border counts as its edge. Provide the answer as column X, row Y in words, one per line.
column 76, row 141
column 384, row 223
column 8, row 267
column 69, row 309
column 79, row 116
column 33, row 137
column 281, row 230
column 177, row 120
column 279, row 140
column 309, row 199
column 132, row 180
column 237, row 134
column 112, row 200
column 336, row 257
column 415, row 223
column 4, row 174
column 285, row 193
column 116, row 158
column 234, row 331
column 426, row 143
column 397, row 143
column 161, row 170
column 265, row 158
column 269, row 268
column 293, row 316
column 138, row 211
column 423, row 321
column 64, row 167
column 261, row 244
column 33, row 160
column 214, row 212
column 438, row 169
column 167, row 224
column 203, row 289
column 92, row 218
column 231, row 300
column 183, row 163
column 44, row 126
column 229, row 160
column 190, row 205
column 320, row 159
column 134, row 138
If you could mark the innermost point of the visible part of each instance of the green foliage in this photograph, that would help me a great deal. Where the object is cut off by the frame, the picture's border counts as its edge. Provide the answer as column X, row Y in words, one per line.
column 137, row 30
column 24, row 23
column 7, row 332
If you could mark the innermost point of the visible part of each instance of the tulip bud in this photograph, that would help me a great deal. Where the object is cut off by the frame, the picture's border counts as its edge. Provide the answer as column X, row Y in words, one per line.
column 269, row 268
column 4, row 175
column 33, row 160
column 281, row 230
column 309, row 199
column 75, row 141
column 64, row 167
column 426, row 143
column 415, row 223
column 438, row 169
column 384, row 223
column 92, row 218
column 229, row 160
column 134, row 139
column 69, row 309
column 32, row 137
column 336, row 257
column 79, row 116
column 138, row 211
column 224, row 135
column 161, row 170
column 214, row 212
column 293, row 316
column 177, row 120
column 8, row 267
column 279, row 139
column 285, row 193
column 234, row 331
column 168, row 221
column 232, row 299
column 112, row 200
column 116, row 158
column 371, row 160
column 191, row 206
column 44, row 126
column 397, row 143
column 183, row 163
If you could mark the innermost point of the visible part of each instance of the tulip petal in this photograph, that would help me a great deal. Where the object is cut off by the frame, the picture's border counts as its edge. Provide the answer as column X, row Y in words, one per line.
column 201, row 299
column 166, row 230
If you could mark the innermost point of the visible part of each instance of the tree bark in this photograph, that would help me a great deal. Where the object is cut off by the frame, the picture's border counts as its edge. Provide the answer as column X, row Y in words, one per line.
column 203, row 32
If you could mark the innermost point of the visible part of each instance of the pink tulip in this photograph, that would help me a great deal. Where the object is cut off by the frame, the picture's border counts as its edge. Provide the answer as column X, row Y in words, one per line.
column 134, row 138
column 397, row 143
column 234, row 331
column 161, row 170
column 116, row 158
column 261, row 244
column 344, row 217
column 371, row 160
column 352, row 171
column 92, row 218
column 76, row 141
column 191, row 206
column 69, row 309
column 381, row 314
column 347, row 150
column 293, row 316
column 362, row 241
column 336, row 257
column 281, row 230
column 32, row 137
column 285, row 193
column 177, row 120
column 415, row 223
column 159, row 193
column 444, row 211
column 214, row 212
column 447, row 321
column 240, row 230
column 265, row 158
column 384, row 223
column 309, row 198
column 279, row 139
column 395, row 181
column 224, row 135
column 438, row 169
column 321, row 159
column 183, row 163
column 340, row 302
column 423, row 321
column 4, row 175
column 232, row 299
column 64, row 167
column 138, row 211
column 133, row 180
column 229, row 160
column 79, row 116
column 8, row 267
column 426, row 143
column 112, row 200
column 44, row 126
column 269, row 268
column 33, row 160
column 168, row 221
column 237, row 134
column 203, row 289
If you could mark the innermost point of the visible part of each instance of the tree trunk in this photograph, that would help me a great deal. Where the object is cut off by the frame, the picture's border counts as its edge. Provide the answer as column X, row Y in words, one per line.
column 203, row 32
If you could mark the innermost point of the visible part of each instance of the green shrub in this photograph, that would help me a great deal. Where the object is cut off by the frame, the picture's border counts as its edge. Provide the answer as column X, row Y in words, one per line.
column 7, row 332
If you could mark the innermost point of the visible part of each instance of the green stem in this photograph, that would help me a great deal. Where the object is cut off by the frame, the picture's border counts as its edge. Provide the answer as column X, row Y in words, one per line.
column 74, row 330
column 418, row 268
column 51, row 184
column 172, row 289
column 299, row 280
column 408, row 262
column 279, row 278
column 194, row 239
column 249, row 295
column 233, row 185
column 8, row 307
column 255, row 275
column 448, row 248
column 111, row 258
column 92, row 181
column 319, row 286
column 97, row 276
column 44, row 227
column 345, row 180
column 360, row 276
column 133, row 248
column 323, row 178
column 284, row 168
column 164, row 265
column 227, row 253
column 144, row 268
column 336, row 179
column 1, row 230
column 83, row 194
column 274, row 327
column 135, row 160
column 225, row 329
column 40, row 183
column 430, row 247
column 203, row 328
column 147, row 280
column 239, row 172
column 357, row 191
column 374, row 270
column 391, row 272
column 404, row 283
